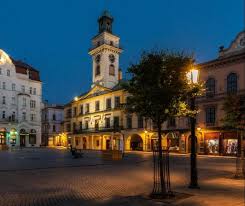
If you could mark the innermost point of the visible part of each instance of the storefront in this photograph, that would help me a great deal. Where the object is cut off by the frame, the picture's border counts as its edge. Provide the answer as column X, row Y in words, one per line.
column 173, row 140
column 212, row 143
column 13, row 137
column 3, row 135
column 230, row 143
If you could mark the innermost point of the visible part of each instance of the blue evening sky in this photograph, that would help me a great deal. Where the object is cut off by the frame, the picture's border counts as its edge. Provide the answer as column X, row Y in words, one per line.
column 54, row 35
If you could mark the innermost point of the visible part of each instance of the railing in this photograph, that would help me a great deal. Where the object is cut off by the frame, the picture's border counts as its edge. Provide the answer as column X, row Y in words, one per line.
column 101, row 111
column 98, row 129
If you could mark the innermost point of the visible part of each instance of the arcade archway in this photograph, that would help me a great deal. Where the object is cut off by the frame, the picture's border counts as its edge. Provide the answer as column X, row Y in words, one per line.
column 136, row 143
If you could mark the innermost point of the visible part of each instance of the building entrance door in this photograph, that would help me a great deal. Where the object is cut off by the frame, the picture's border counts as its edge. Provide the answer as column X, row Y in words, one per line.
column 22, row 140
column 108, row 143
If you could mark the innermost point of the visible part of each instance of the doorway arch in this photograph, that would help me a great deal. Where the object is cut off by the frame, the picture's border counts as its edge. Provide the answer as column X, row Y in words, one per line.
column 136, row 143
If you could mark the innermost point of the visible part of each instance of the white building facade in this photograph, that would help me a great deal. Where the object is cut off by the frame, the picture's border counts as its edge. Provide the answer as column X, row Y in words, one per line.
column 20, row 104
column 52, row 125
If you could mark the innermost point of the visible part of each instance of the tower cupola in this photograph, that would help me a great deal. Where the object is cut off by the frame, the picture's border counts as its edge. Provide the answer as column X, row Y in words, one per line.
column 105, row 22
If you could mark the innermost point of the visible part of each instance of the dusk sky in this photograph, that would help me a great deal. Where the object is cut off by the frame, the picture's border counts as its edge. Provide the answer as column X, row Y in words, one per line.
column 54, row 35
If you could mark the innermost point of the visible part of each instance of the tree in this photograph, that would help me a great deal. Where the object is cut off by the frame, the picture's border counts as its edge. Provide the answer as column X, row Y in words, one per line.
column 158, row 89
column 231, row 107
column 234, row 119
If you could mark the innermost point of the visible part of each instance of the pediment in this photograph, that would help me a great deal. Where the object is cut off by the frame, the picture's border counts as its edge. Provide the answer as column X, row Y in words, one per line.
column 238, row 44
column 97, row 90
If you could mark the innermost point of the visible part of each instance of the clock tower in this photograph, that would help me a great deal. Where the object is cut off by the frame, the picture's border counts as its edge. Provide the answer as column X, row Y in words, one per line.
column 105, row 53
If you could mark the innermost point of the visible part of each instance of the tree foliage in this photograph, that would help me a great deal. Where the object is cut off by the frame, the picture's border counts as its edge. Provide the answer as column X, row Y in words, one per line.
column 159, row 86
column 234, row 112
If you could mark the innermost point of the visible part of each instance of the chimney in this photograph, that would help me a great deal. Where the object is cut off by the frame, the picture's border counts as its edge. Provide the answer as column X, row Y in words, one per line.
column 119, row 75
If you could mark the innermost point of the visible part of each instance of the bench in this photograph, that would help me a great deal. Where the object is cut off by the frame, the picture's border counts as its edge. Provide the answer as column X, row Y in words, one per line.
column 76, row 153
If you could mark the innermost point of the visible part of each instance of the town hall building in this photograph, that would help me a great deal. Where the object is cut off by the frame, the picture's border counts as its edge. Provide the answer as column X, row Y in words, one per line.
column 97, row 119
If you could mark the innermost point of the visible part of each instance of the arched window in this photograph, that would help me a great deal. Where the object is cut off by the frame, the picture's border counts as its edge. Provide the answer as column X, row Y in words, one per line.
column 112, row 70
column 210, row 87
column 22, row 131
column 232, row 83
column 97, row 70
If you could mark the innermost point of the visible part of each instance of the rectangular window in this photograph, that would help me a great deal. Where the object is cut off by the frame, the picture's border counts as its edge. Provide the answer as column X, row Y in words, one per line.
column 13, row 116
column 81, row 109
column 33, row 104
column 34, row 91
column 3, row 115
column 54, row 128
column 140, row 122
column 24, row 102
column 8, row 72
column 210, row 115
column 97, row 106
column 74, row 111
column 4, row 85
column 24, row 116
column 32, row 117
column 30, row 90
column 129, row 122
column 68, row 127
column 107, row 122
column 0, row 71
column 87, row 108
column 108, row 103
column 23, row 88
column 74, row 127
column 117, row 102
column 4, row 100
column 116, row 122
column 13, row 87
column 68, row 113
column 13, row 100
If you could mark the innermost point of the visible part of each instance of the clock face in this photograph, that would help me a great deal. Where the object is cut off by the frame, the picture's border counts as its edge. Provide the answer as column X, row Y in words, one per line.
column 97, row 58
column 112, row 58
column 242, row 42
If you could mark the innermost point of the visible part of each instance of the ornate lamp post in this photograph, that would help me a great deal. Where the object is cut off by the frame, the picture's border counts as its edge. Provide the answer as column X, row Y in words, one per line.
column 193, row 79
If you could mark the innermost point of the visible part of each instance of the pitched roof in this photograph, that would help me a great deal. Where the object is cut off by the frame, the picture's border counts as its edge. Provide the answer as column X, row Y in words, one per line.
column 24, row 68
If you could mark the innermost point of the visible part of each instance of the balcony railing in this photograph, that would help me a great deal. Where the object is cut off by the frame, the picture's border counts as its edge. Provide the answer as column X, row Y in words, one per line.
column 98, row 129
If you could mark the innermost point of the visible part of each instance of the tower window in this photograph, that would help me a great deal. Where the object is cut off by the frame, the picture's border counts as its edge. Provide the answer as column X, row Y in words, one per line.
column 112, row 70
column 97, row 71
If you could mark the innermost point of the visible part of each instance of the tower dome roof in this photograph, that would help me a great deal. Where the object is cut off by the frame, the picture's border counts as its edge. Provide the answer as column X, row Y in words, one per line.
column 106, row 13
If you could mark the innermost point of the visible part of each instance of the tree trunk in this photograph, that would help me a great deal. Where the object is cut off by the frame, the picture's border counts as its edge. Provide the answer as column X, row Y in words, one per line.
column 162, row 180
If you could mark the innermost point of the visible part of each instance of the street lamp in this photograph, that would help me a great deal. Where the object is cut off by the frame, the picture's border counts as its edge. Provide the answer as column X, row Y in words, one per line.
column 192, row 77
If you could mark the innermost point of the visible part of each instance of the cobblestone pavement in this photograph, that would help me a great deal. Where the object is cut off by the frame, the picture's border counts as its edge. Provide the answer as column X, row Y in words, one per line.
column 50, row 177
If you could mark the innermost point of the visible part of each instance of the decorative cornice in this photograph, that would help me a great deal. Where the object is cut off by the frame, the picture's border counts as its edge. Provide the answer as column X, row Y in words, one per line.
column 220, row 62
column 105, row 47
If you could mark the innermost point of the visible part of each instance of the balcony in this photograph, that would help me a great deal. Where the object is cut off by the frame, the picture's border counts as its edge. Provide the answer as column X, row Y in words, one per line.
column 98, row 130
